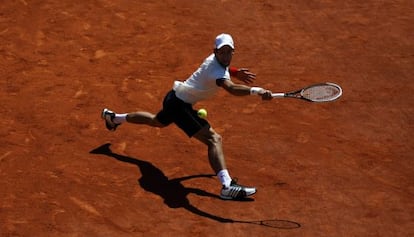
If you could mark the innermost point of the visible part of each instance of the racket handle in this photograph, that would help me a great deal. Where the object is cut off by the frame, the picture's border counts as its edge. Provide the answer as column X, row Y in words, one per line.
column 278, row 95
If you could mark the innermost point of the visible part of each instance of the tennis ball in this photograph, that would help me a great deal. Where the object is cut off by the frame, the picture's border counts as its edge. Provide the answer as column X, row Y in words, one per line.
column 202, row 113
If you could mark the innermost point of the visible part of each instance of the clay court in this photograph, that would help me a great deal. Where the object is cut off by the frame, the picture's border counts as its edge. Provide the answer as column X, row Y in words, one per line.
column 343, row 168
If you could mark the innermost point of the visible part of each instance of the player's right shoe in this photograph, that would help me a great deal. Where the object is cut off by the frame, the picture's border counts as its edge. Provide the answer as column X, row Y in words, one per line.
column 109, row 116
column 236, row 191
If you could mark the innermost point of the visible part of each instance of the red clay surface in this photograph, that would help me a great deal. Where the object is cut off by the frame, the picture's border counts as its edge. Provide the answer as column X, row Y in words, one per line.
column 337, row 169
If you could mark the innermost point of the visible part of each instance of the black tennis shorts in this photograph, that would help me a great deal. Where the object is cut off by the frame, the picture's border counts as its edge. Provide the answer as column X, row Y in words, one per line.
column 182, row 114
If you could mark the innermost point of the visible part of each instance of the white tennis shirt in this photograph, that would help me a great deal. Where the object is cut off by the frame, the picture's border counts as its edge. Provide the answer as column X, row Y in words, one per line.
column 201, row 85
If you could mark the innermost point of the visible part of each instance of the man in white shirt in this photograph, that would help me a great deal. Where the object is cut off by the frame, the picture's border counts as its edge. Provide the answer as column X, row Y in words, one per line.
column 214, row 73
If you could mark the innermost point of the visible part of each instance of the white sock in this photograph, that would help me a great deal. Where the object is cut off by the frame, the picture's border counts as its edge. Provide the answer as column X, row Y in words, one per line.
column 224, row 177
column 119, row 118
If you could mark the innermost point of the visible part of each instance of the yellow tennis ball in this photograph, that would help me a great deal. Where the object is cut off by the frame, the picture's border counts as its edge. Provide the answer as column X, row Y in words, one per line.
column 202, row 113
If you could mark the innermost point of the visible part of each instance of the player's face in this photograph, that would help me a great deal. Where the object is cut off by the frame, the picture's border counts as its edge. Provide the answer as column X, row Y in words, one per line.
column 224, row 55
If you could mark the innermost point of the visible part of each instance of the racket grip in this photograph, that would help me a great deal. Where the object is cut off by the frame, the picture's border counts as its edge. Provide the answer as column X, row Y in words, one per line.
column 278, row 95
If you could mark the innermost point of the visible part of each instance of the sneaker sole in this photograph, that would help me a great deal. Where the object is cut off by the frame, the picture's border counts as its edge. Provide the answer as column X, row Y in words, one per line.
column 237, row 198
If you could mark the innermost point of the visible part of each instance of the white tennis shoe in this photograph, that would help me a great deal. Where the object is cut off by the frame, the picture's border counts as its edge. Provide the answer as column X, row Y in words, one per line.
column 108, row 116
column 236, row 191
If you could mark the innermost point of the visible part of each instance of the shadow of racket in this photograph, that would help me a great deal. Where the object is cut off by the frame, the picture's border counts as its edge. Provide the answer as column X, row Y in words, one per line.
column 277, row 224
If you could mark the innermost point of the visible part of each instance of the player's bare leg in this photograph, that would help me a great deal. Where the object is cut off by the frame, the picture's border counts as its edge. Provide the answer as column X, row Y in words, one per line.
column 113, row 120
column 230, row 190
column 215, row 149
column 143, row 118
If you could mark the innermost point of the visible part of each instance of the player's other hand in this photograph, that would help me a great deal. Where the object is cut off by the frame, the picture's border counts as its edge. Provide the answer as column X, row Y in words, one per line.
column 244, row 75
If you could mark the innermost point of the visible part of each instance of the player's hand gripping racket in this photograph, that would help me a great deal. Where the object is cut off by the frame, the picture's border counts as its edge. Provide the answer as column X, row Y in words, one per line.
column 322, row 92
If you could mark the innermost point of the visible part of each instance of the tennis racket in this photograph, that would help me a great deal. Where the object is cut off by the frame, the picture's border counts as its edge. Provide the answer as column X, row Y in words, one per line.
column 321, row 92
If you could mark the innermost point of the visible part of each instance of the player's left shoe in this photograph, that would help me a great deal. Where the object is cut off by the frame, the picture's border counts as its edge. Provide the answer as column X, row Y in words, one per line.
column 108, row 116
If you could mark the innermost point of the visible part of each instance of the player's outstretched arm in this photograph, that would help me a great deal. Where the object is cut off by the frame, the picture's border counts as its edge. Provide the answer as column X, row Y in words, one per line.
column 243, row 90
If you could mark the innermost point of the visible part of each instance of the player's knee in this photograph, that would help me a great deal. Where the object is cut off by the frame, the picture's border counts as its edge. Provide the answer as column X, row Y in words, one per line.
column 209, row 137
column 216, row 139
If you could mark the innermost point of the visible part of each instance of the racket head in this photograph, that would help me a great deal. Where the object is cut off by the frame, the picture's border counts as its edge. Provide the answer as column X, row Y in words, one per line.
column 322, row 92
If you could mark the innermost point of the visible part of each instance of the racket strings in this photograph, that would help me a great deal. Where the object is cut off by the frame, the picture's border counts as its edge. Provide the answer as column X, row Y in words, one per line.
column 321, row 93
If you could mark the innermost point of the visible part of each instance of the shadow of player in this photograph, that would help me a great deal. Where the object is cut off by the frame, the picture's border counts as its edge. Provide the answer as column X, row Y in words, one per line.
column 172, row 191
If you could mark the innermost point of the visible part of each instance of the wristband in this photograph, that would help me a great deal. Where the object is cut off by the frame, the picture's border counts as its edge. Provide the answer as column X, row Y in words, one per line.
column 255, row 90
column 233, row 71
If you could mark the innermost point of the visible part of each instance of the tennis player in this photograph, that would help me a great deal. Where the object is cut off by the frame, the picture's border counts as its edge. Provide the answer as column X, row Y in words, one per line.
column 213, row 74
